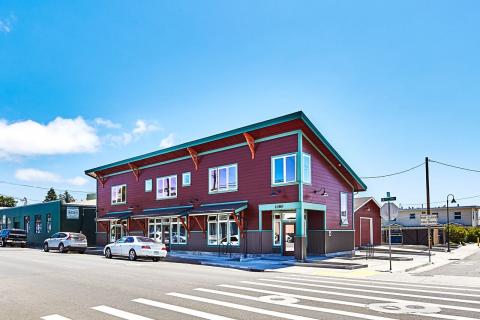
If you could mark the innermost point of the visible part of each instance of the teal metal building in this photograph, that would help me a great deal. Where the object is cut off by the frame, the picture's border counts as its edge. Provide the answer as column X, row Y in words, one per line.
column 44, row 219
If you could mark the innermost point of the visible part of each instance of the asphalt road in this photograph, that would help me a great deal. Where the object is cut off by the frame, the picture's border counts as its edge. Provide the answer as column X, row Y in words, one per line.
column 468, row 267
column 55, row 286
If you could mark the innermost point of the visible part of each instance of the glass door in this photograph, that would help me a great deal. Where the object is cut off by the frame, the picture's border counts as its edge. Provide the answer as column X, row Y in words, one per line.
column 116, row 231
column 289, row 239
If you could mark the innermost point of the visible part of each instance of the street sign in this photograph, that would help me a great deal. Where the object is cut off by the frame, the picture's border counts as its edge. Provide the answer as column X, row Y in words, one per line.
column 428, row 220
column 389, row 199
column 393, row 211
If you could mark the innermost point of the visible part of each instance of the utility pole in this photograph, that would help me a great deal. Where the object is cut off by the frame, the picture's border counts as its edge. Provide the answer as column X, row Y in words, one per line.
column 427, row 185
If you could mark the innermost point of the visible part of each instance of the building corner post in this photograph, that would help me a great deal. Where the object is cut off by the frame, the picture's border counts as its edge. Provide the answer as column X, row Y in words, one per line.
column 300, row 225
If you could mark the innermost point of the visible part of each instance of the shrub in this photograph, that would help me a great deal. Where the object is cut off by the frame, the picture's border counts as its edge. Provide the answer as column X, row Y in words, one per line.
column 458, row 234
column 472, row 234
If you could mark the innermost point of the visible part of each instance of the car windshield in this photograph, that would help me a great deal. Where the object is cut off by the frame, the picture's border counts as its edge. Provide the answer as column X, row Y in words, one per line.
column 144, row 239
column 77, row 236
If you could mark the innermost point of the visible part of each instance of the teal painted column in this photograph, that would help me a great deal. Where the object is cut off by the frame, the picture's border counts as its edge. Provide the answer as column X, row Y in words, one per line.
column 300, row 227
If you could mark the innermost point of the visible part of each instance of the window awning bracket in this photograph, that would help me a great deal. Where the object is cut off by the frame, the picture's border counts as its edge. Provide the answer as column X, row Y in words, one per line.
column 238, row 222
column 251, row 143
column 182, row 220
column 200, row 225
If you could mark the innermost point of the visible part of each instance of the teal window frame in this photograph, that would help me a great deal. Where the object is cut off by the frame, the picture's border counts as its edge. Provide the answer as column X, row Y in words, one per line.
column 111, row 194
column 170, row 186
column 217, row 170
column 307, row 178
column 186, row 183
column 272, row 169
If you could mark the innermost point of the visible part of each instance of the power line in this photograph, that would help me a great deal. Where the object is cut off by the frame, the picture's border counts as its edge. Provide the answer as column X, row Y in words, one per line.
column 458, row 199
column 454, row 166
column 21, row 199
column 395, row 173
column 43, row 188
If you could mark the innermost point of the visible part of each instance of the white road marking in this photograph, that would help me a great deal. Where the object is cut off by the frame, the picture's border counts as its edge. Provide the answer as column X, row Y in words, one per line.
column 375, row 291
column 396, row 283
column 120, row 313
column 297, row 306
column 54, row 317
column 282, row 315
column 192, row 312
column 378, row 287
column 357, row 296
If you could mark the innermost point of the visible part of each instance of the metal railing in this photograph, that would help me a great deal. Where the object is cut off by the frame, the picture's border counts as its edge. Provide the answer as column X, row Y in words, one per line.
column 369, row 251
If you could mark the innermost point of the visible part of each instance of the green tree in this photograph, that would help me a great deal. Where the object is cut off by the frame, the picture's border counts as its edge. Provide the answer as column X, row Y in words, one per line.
column 67, row 197
column 6, row 201
column 51, row 195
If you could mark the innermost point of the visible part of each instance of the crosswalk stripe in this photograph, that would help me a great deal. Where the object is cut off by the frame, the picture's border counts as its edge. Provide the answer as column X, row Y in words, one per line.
column 396, row 283
column 282, row 315
column 378, row 287
column 353, row 304
column 297, row 306
column 120, row 313
column 54, row 317
column 192, row 312
column 357, row 296
column 375, row 291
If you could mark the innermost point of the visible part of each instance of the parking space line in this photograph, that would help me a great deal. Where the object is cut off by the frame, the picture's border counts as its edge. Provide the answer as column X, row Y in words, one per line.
column 120, row 313
column 54, row 317
column 282, row 315
column 375, row 291
column 377, row 287
column 192, row 312
column 357, row 296
column 294, row 305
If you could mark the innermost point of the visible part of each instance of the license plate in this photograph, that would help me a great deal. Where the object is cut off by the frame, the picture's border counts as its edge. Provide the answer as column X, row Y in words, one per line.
column 156, row 252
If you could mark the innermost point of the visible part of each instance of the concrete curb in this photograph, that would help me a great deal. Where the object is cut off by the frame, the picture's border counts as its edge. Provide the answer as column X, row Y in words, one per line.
column 417, row 267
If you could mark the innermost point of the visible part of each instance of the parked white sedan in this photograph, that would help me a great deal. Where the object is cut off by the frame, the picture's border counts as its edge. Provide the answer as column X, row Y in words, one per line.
column 135, row 247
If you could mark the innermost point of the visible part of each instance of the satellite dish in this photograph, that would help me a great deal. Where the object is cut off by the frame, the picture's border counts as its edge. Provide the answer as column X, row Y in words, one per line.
column 394, row 210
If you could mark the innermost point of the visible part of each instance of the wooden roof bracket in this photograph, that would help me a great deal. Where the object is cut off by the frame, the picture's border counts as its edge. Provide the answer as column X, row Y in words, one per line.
column 135, row 170
column 194, row 156
column 182, row 220
column 101, row 179
column 238, row 222
column 251, row 143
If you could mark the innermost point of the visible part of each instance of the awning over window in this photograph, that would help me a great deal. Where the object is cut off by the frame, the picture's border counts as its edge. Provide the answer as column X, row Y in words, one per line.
column 119, row 215
column 233, row 207
column 163, row 212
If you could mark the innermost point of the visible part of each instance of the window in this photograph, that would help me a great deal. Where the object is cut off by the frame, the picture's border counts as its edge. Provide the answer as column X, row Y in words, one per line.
column 223, row 179
column 284, row 169
column 186, row 179
column 49, row 222
column 307, row 168
column 167, row 187
column 119, row 194
column 412, row 216
column 38, row 224
column 344, row 208
column 223, row 230
column 457, row 216
column 277, row 224
column 178, row 232
column 26, row 223
column 129, row 240
column 148, row 185
column 159, row 229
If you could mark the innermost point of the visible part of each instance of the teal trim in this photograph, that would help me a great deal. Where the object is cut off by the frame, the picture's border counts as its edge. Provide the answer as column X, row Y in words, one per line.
column 164, row 208
column 117, row 212
column 259, row 125
column 314, row 206
column 222, row 203
column 300, row 219
column 279, row 206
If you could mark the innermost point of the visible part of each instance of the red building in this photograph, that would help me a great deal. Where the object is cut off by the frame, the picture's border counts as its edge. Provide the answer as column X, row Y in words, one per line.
column 276, row 186
column 368, row 222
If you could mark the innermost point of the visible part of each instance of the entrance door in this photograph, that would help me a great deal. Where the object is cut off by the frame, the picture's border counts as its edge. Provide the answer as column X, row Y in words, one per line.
column 366, row 231
column 288, row 239
column 116, row 232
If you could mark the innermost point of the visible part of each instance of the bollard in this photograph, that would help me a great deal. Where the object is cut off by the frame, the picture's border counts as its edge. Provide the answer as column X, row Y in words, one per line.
column 478, row 242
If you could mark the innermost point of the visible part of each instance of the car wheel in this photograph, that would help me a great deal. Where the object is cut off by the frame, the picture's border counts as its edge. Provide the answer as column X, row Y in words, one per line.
column 132, row 255
column 61, row 248
column 108, row 253
column 45, row 247
column 81, row 251
column 3, row 243
column 155, row 259
column 22, row 245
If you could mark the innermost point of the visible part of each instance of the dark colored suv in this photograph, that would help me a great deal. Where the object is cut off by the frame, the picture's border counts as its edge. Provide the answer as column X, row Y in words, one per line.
column 13, row 237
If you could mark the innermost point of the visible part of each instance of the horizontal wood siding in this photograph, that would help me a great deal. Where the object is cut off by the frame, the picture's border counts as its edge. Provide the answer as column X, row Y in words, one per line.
column 369, row 210
column 325, row 176
column 254, row 181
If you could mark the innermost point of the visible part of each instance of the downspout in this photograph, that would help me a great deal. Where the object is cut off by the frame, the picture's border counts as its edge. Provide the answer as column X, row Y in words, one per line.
column 300, row 238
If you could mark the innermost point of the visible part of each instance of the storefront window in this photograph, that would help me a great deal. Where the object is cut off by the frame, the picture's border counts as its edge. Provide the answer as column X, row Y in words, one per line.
column 277, row 224
column 38, row 224
column 178, row 231
column 49, row 223
column 26, row 224
column 223, row 230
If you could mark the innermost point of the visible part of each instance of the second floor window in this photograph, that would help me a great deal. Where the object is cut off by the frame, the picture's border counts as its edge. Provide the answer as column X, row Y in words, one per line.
column 167, row 187
column 284, row 169
column 222, row 179
column 119, row 194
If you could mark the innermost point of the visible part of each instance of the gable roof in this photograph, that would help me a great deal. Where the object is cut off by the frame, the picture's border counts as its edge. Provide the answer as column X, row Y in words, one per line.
column 290, row 122
column 362, row 201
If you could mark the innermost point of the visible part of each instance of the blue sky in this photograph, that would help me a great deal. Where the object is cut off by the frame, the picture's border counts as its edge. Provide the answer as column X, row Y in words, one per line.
column 387, row 83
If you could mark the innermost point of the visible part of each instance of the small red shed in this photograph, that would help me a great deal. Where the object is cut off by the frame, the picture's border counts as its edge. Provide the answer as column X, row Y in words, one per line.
column 368, row 222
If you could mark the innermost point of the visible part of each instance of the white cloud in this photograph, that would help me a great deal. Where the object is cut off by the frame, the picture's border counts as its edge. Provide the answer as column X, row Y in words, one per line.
column 107, row 123
column 141, row 128
column 36, row 175
column 168, row 141
column 6, row 24
column 60, row 136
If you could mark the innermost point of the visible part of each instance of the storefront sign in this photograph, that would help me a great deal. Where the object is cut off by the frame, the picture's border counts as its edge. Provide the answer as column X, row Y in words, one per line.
column 426, row 220
column 279, row 206
column 73, row 213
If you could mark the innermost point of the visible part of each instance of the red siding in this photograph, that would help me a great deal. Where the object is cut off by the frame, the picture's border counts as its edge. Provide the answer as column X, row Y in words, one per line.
column 254, row 181
column 325, row 176
column 369, row 210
